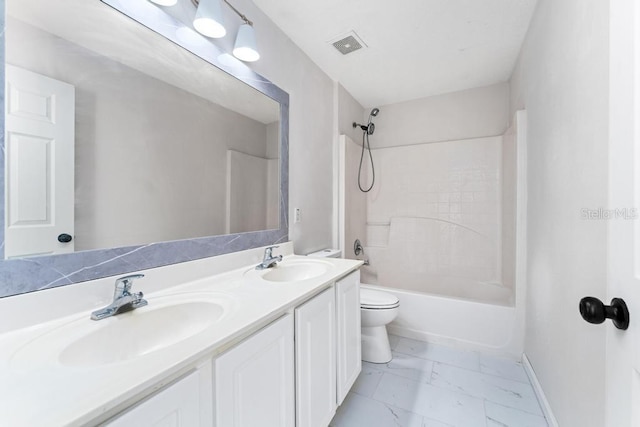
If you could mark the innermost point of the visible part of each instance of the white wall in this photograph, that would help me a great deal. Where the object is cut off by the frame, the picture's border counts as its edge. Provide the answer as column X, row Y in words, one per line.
column 349, row 111
column 311, row 129
column 561, row 78
column 466, row 114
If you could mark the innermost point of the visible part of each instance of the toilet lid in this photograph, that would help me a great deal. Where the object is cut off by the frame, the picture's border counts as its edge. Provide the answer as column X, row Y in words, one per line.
column 377, row 299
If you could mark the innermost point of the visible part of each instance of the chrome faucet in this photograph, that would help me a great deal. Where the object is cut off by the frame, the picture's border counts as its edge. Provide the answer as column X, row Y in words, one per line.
column 123, row 299
column 269, row 260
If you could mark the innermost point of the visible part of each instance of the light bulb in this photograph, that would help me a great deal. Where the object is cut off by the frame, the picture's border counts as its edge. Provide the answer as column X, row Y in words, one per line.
column 245, row 48
column 208, row 20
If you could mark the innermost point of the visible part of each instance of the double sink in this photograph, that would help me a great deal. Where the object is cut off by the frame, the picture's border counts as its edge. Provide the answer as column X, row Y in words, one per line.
column 166, row 321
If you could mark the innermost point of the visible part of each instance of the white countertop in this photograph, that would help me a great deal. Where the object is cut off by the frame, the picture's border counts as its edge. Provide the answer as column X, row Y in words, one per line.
column 37, row 389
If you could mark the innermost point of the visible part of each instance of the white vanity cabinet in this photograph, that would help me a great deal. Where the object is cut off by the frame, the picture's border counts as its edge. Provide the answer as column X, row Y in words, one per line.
column 254, row 381
column 294, row 372
column 316, row 360
column 349, row 360
column 186, row 402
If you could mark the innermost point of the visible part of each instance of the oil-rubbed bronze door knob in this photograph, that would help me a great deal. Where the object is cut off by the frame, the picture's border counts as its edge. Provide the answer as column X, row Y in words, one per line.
column 64, row 238
column 594, row 311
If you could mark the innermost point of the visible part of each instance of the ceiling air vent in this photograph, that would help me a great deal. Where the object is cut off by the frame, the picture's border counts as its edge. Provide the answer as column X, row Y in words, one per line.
column 348, row 43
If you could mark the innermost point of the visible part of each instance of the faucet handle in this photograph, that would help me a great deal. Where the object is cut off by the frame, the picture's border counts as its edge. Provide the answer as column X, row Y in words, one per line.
column 269, row 250
column 123, row 284
column 139, row 300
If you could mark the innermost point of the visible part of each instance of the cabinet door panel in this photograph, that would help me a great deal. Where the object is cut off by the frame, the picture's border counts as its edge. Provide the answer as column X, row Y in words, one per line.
column 254, row 380
column 178, row 405
column 316, row 361
column 348, row 331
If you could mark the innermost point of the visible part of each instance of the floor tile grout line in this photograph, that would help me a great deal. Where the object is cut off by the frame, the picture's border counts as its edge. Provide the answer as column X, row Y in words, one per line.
column 433, row 372
column 483, row 397
column 451, row 365
column 486, row 417
column 477, row 353
column 541, row 415
column 389, row 405
column 419, row 417
column 486, row 373
column 506, row 378
column 509, row 378
column 434, row 361
column 375, row 389
column 468, row 369
column 424, row 417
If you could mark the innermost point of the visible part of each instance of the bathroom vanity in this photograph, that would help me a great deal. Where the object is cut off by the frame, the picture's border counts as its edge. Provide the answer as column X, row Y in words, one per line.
column 219, row 344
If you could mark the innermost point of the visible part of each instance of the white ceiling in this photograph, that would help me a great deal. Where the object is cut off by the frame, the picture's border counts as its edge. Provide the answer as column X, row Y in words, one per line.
column 416, row 48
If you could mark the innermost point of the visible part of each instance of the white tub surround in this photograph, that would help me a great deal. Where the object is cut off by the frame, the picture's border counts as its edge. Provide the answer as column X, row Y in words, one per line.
column 44, row 388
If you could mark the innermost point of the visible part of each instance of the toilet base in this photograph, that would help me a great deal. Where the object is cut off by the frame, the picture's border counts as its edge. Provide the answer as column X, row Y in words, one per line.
column 375, row 345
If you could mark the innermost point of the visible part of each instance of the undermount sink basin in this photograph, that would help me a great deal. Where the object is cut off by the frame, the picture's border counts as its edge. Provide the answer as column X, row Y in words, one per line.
column 293, row 271
column 164, row 322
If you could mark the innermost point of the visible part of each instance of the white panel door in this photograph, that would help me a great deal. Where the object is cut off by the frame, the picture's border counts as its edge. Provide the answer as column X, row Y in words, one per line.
column 39, row 172
column 623, row 346
column 316, row 361
column 349, row 359
column 254, row 382
column 182, row 404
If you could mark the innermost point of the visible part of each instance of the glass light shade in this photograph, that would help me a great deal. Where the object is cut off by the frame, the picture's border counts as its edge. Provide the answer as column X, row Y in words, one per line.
column 245, row 48
column 164, row 2
column 208, row 20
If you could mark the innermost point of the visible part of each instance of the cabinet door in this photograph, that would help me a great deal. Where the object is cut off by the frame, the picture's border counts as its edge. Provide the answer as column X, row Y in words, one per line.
column 316, row 361
column 183, row 403
column 348, row 331
column 254, row 382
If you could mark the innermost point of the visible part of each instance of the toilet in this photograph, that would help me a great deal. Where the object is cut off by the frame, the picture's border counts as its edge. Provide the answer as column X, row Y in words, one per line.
column 377, row 309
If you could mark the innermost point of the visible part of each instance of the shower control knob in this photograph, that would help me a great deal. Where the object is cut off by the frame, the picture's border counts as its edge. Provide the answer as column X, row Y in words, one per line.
column 64, row 238
column 594, row 311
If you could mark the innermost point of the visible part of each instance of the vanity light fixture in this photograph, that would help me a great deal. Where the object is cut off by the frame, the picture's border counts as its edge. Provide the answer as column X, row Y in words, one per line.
column 245, row 48
column 208, row 21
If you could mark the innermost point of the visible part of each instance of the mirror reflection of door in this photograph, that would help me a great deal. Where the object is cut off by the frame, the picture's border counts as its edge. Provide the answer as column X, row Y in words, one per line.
column 39, row 135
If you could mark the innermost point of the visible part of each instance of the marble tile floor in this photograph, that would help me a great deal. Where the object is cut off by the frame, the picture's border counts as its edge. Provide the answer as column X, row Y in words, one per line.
column 428, row 385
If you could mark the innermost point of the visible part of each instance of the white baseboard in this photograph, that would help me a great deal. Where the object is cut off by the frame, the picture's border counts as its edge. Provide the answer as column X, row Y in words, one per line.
column 537, row 388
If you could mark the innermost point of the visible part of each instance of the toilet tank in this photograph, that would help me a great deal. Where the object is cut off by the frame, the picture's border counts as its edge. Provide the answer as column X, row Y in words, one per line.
column 326, row 253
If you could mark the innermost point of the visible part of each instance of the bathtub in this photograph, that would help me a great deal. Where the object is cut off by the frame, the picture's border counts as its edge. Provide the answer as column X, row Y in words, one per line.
column 465, row 324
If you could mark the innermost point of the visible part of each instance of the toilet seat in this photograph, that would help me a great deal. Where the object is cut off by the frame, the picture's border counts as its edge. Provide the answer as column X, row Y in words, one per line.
column 377, row 300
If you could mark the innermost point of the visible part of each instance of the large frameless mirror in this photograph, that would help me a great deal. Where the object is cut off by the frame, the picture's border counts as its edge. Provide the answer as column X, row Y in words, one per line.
column 121, row 136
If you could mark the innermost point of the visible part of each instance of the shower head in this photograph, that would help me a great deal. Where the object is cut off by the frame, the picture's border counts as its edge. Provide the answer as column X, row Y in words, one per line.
column 369, row 127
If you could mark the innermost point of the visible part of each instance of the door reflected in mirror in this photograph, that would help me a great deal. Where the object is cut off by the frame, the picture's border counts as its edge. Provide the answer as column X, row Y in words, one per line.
column 112, row 143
